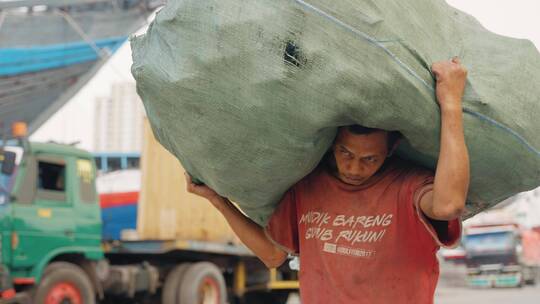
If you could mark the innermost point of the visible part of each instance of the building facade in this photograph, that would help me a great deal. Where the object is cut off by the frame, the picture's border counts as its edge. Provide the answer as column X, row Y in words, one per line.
column 119, row 120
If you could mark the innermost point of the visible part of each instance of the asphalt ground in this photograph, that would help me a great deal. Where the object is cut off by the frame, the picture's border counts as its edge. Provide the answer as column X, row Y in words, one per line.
column 457, row 295
column 453, row 290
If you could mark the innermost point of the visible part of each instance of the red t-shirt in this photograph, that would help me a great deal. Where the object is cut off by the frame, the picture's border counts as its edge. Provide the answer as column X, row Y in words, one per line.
column 363, row 244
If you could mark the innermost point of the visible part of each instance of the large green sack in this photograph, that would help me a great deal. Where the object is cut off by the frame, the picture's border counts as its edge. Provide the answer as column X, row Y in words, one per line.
column 248, row 94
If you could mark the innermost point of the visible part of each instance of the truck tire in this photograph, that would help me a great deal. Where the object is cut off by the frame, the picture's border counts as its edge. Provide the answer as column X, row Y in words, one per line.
column 203, row 283
column 64, row 282
column 266, row 297
column 530, row 277
column 169, row 293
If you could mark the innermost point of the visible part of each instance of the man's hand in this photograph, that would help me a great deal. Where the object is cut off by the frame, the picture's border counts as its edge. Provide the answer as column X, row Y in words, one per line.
column 451, row 79
column 202, row 190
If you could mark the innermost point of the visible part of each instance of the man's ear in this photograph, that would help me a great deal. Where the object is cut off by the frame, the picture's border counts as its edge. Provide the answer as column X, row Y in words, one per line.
column 394, row 147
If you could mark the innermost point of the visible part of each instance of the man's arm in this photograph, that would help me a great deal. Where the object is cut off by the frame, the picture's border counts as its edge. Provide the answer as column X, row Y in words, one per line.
column 251, row 234
column 447, row 200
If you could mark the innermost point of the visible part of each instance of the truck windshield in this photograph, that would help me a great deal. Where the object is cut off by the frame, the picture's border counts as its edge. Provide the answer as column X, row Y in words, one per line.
column 6, row 180
column 489, row 242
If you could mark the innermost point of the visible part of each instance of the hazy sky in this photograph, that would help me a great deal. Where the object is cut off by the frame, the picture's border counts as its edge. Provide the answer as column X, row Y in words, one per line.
column 514, row 18
column 74, row 122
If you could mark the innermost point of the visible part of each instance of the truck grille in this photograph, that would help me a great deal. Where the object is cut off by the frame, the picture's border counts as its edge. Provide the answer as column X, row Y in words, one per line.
column 503, row 259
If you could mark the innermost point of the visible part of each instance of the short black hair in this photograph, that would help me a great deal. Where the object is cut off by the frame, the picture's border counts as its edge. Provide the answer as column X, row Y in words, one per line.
column 393, row 136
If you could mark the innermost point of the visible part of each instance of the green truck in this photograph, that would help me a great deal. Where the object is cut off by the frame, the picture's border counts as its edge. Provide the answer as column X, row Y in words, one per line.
column 52, row 250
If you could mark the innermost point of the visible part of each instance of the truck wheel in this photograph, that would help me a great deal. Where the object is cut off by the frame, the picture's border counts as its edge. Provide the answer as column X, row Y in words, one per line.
column 266, row 297
column 203, row 283
column 64, row 283
column 530, row 278
column 169, row 294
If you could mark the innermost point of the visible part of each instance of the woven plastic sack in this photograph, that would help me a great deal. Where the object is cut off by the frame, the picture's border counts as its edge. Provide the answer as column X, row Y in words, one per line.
column 248, row 94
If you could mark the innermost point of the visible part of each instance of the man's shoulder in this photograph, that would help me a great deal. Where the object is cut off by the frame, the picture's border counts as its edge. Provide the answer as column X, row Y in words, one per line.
column 313, row 176
column 308, row 183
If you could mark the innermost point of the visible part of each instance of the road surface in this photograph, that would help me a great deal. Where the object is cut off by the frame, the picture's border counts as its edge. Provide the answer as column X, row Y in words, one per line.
column 452, row 290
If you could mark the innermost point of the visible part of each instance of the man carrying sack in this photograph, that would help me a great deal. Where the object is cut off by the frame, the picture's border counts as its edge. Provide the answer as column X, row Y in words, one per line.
column 367, row 224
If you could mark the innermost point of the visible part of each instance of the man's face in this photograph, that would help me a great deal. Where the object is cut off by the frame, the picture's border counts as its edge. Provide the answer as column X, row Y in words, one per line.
column 358, row 157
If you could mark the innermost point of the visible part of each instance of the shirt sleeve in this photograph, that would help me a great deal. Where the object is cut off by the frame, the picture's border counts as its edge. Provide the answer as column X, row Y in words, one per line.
column 282, row 228
column 445, row 233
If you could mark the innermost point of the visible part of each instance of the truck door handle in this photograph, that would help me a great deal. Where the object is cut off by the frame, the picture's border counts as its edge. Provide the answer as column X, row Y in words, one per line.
column 68, row 233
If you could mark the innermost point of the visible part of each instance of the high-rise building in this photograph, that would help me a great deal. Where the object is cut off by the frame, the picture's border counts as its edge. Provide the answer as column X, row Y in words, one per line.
column 119, row 120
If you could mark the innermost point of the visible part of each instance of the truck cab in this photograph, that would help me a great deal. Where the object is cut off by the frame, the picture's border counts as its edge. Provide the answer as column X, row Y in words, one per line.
column 49, row 210
column 53, row 251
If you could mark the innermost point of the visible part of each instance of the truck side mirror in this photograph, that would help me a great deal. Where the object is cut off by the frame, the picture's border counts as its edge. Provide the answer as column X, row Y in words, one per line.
column 7, row 160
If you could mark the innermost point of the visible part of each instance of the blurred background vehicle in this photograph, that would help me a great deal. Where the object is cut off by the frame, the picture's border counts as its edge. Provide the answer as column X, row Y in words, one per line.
column 501, row 255
column 455, row 255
